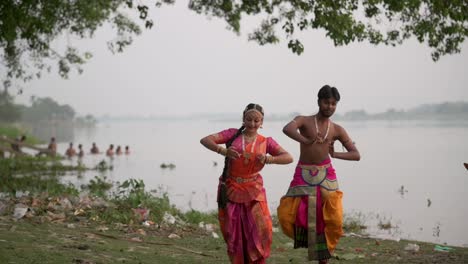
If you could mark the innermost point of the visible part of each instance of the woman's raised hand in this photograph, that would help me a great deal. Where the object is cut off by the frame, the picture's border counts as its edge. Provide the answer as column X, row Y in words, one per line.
column 262, row 158
column 232, row 153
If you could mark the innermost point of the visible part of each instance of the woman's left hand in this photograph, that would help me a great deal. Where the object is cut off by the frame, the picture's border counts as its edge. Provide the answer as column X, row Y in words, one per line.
column 262, row 158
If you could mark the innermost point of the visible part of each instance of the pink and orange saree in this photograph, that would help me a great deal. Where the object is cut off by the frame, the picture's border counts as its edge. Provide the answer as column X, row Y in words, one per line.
column 246, row 222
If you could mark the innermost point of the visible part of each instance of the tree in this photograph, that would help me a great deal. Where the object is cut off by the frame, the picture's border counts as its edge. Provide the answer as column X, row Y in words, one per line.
column 27, row 27
column 9, row 111
column 47, row 109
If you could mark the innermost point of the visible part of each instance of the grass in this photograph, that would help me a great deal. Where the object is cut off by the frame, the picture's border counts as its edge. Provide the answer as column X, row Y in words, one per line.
column 104, row 225
column 14, row 132
column 28, row 241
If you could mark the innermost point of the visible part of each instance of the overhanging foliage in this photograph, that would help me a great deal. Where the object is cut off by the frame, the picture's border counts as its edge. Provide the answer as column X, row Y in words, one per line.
column 28, row 27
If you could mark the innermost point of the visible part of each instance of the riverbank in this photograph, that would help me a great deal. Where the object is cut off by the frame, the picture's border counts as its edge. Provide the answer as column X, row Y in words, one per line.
column 33, row 241
column 43, row 220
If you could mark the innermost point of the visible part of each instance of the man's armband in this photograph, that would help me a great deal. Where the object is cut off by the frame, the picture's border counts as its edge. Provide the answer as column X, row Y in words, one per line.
column 352, row 142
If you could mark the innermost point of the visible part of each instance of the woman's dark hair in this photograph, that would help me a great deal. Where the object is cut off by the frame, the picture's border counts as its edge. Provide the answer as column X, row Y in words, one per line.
column 222, row 191
column 222, row 195
column 327, row 92
column 252, row 106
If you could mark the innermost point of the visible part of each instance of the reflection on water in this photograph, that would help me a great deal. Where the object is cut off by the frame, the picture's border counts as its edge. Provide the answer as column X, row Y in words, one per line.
column 410, row 178
column 63, row 131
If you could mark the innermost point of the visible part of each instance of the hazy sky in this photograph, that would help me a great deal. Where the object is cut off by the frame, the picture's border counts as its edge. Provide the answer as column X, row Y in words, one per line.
column 190, row 64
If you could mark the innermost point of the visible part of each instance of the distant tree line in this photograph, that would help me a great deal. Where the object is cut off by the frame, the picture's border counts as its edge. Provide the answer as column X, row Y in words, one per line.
column 9, row 111
column 40, row 110
column 447, row 110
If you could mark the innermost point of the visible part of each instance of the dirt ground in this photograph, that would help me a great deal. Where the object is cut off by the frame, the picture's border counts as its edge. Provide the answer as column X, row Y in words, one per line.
column 33, row 241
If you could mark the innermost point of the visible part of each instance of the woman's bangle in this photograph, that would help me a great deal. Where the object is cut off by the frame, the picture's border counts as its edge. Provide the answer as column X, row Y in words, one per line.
column 221, row 150
column 269, row 160
column 224, row 151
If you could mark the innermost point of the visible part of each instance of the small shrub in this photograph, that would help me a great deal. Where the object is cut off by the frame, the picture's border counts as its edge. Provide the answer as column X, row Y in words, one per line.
column 195, row 217
column 98, row 186
column 354, row 223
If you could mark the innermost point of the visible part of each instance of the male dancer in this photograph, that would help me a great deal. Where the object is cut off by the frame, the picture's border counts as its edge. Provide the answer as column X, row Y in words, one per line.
column 311, row 212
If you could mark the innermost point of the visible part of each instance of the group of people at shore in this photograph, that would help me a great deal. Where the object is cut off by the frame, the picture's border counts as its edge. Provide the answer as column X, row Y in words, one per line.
column 70, row 152
column 310, row 212
column 110, row 152
column 51, row 150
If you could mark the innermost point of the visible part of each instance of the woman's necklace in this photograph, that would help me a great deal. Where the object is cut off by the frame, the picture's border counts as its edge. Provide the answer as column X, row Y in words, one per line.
column 245, row 153
column 320, row 139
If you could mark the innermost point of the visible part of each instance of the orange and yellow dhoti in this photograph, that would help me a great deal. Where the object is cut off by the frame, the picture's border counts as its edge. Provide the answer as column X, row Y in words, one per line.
column 311, row 212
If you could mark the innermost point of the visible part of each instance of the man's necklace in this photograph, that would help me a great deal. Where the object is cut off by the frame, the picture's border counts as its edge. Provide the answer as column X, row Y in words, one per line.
column 320, row 139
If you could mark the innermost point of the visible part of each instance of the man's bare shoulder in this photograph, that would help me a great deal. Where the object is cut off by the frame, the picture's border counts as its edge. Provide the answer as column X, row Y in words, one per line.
column 337, row 127
column 303, row 118
column 298, row 117
column 340, row 133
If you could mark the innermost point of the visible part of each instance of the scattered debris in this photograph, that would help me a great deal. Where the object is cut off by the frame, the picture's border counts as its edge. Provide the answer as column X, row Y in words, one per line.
column 136, row 239
column 386, row 237
column 168, row 218
column 20, row 194
column 349, row 256
column 412, row 247
column 102, row 228
column 208, row 227
column 141, row 232
column 356, row 235
column 442, row 248
column 174, row 236
column 148, row 223
column 53, row 217
column 79, row 212
column 289, row 245
column 20, row 211
column 141, row 214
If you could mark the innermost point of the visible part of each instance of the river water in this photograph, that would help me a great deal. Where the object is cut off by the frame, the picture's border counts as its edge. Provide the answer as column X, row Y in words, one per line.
column 411, row 173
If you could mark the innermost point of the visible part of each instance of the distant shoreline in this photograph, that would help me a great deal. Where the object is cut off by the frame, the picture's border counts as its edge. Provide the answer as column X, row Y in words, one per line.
column 449, row 111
